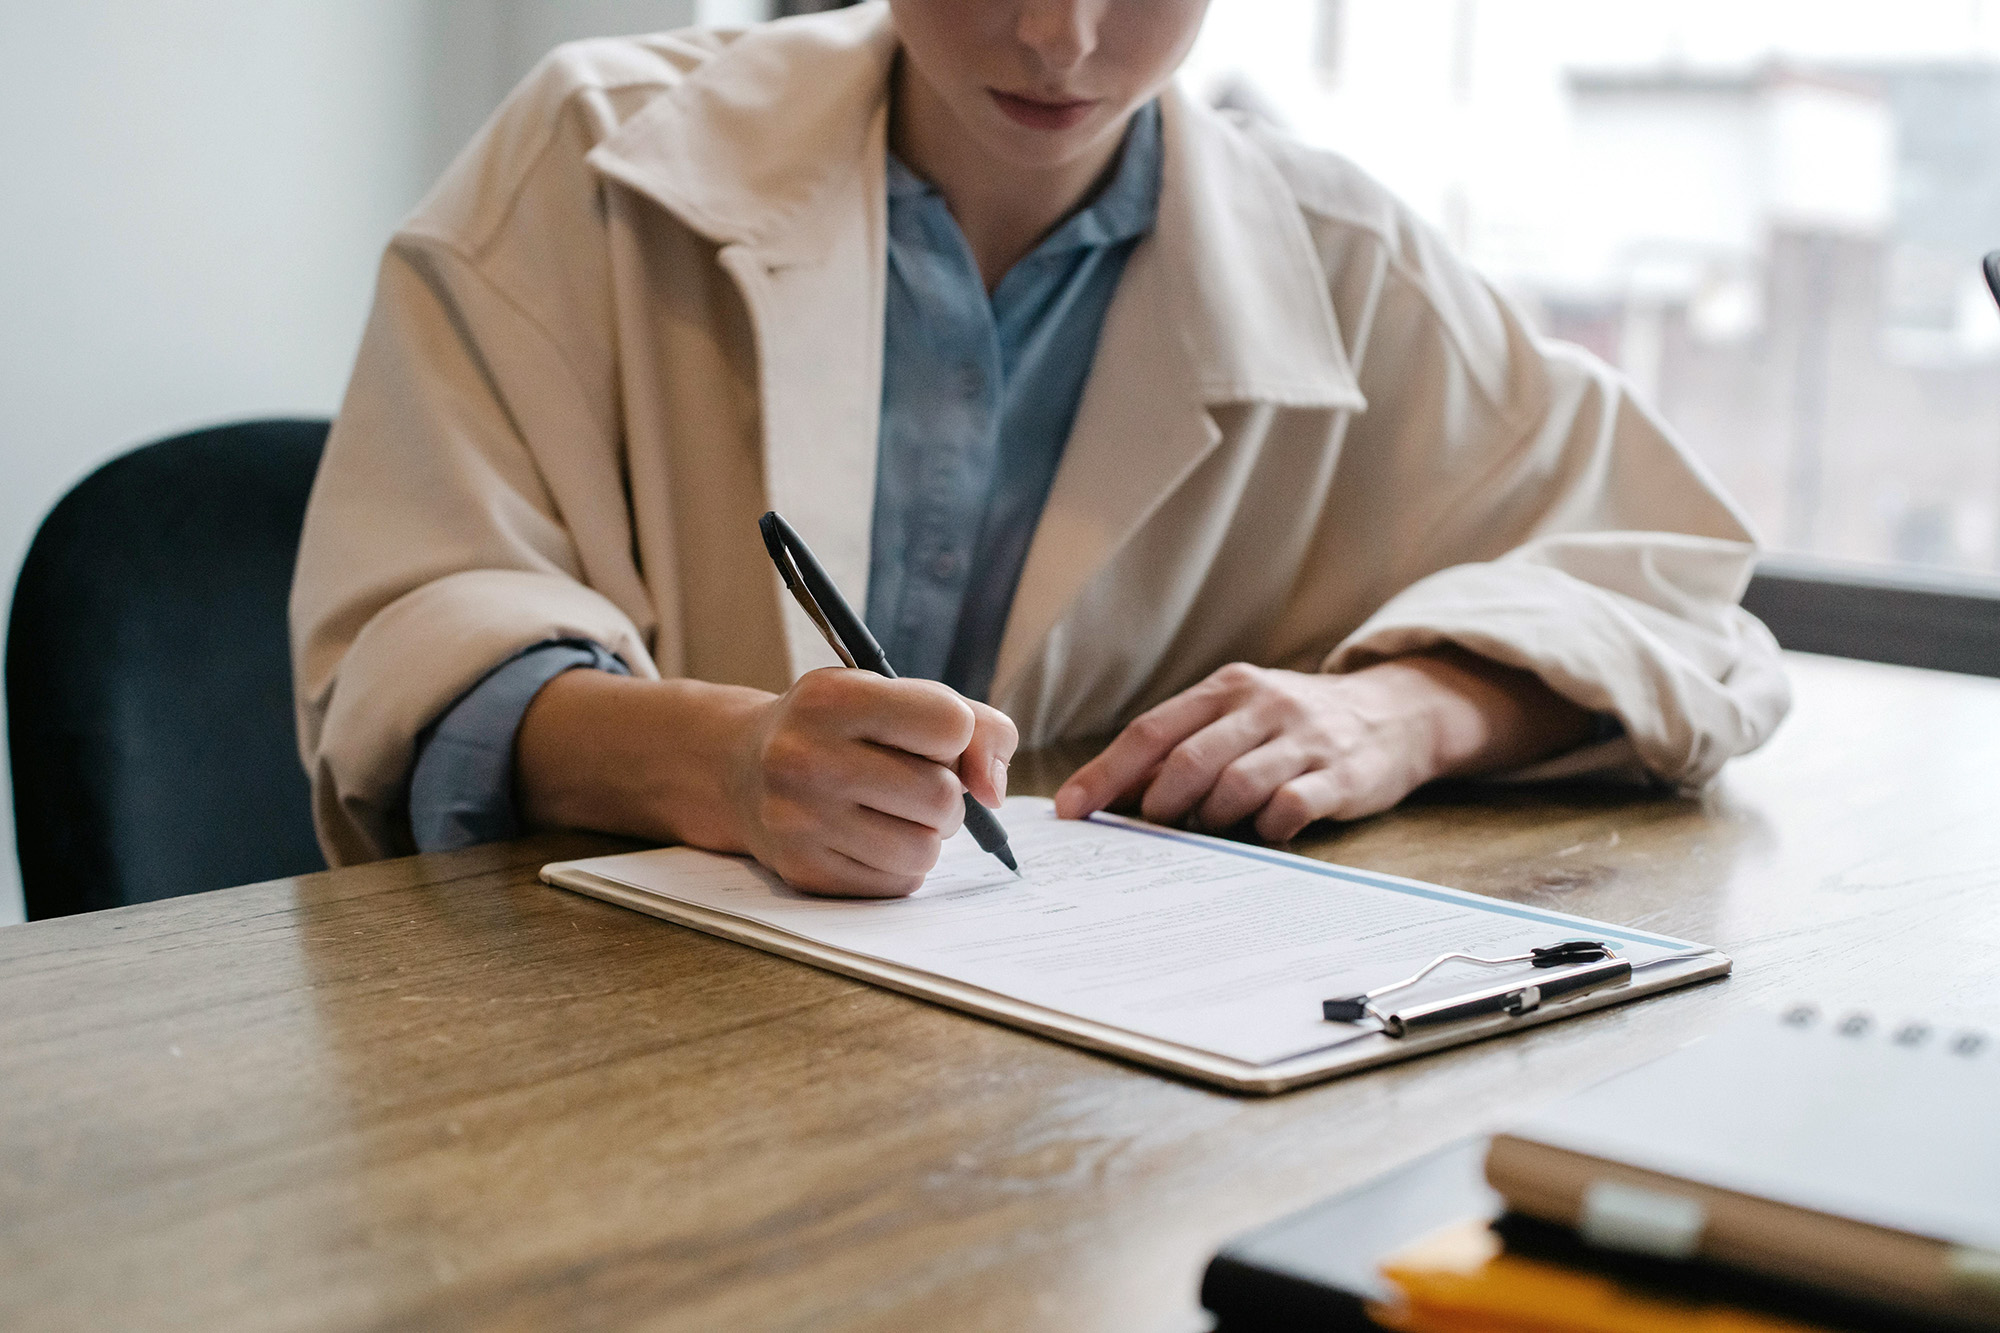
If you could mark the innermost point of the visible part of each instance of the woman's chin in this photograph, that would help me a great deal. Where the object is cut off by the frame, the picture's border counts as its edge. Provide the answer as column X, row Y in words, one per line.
column 1029, row 149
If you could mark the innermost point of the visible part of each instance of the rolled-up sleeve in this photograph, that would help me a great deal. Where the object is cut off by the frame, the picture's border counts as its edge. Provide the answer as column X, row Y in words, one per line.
column 473, row 500
column 1528, row 508
column 462, row 787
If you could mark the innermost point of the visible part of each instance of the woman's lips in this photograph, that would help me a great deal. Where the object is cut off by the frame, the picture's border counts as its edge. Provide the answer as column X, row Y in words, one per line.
column 1038, row 114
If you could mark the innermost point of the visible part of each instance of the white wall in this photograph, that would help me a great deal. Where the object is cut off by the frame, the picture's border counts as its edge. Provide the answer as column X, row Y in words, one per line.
column 193, row 194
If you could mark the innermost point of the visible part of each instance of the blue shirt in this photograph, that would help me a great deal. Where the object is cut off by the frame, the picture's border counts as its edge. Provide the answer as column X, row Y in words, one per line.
column 462, row 787
column 978, row 396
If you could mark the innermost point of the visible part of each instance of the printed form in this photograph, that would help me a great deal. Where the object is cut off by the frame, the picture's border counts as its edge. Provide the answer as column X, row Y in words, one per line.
column 1216, row 946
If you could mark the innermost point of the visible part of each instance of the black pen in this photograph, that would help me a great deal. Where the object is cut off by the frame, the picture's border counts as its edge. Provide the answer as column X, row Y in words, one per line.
column 850, row 639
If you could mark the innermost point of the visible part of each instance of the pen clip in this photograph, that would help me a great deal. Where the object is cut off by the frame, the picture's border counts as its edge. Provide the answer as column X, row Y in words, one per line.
column 795, row 584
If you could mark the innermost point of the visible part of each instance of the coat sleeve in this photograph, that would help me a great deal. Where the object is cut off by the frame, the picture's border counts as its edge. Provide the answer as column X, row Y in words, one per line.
column 472, row 499
column 1532, row 511
column 435, row 545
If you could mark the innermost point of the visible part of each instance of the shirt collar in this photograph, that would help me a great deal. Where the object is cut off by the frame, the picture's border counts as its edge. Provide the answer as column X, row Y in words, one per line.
column 1122, row 210
column 904, row 183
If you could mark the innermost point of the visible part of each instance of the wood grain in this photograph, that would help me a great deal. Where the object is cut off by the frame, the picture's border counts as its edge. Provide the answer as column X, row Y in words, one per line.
column 434, row 1094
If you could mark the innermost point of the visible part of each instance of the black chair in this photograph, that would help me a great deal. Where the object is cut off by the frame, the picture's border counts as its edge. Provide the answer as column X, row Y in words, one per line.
column 149, row 694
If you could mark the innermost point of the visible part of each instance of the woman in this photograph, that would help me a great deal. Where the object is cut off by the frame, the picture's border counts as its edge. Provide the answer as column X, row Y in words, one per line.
column 1122, row 413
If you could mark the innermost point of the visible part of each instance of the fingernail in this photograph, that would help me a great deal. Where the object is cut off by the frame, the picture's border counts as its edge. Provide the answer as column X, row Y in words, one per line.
column 998, row 772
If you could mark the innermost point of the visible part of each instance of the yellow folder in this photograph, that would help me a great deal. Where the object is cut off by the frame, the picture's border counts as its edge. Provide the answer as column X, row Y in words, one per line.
column 1461, row 1280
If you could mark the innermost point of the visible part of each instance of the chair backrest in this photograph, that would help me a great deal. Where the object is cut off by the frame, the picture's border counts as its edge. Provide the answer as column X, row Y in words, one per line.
column 149, row 693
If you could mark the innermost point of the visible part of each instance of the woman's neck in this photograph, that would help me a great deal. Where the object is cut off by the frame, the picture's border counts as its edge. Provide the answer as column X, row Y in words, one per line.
column 1003, row 209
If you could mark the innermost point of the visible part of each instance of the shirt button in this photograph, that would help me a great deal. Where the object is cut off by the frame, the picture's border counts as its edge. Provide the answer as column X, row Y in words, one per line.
column 944, row 564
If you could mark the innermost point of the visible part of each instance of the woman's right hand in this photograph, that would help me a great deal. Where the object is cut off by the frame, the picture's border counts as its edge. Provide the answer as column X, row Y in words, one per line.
column 847, row 784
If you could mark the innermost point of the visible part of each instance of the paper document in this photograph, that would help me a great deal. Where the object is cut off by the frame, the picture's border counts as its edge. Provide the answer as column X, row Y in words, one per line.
column 1210, row 945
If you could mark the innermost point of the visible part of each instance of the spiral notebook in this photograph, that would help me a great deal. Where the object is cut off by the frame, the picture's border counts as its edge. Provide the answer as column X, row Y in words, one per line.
column 1204, row 957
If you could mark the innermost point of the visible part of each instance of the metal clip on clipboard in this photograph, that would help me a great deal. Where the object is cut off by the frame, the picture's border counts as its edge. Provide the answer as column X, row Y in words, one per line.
column 1584, row 965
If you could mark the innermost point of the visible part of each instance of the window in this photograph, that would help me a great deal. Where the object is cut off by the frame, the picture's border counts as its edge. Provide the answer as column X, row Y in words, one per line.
column 1769, row 213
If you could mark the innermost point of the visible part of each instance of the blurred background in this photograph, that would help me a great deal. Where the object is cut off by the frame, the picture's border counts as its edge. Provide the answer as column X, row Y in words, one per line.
column 1768, row 212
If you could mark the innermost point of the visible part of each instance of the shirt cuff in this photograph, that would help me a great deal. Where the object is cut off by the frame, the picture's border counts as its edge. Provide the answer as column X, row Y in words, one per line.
column 462, row 787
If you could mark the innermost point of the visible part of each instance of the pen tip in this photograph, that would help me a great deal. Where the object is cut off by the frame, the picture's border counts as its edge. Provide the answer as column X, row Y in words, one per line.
column 1006, row 855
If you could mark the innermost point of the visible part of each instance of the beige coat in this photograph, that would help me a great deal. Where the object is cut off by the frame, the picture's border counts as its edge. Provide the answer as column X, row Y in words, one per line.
column 646, row 305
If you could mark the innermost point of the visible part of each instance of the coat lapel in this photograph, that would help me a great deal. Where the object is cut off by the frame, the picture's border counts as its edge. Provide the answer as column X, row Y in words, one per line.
column 1225, row 302
column 821, row 389
column 775, row 149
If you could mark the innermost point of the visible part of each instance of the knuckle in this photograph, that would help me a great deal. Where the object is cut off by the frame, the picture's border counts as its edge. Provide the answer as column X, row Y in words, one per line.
column 1237, row 676
column 1006, row 736
column 816, row 689
column 788, row 760
column 942, row 710
column 942, row 793
column 1236, row 786
column 1326, row 744
column 1183, row 764
column 961, row 721
column 823, row 698
column 1148, row 729
column 913, row 856
column 1290, row 707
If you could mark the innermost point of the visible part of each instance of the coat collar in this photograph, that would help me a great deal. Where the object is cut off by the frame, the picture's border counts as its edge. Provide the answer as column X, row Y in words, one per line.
column 754, row 143
column 774, row 148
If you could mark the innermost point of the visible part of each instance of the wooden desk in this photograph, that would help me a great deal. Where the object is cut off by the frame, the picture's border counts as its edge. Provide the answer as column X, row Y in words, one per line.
column 433, row 1094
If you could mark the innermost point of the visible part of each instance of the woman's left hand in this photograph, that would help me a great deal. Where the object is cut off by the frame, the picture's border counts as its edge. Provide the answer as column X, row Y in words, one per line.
column 1289, row 748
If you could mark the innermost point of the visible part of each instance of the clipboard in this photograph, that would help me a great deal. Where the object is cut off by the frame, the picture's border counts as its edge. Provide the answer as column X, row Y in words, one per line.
column 611, row 879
